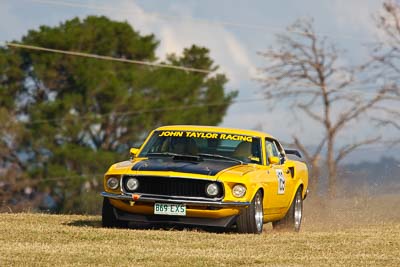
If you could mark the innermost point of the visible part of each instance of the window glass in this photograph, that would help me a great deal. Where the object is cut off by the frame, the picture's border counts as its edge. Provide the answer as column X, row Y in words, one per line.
column 242, row 147
column 271, row 148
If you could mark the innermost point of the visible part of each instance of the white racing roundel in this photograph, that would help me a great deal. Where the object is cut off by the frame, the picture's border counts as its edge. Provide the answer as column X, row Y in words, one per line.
column 281, row 181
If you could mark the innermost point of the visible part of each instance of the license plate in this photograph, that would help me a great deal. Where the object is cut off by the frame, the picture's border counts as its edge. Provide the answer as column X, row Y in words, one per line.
column 170, row 209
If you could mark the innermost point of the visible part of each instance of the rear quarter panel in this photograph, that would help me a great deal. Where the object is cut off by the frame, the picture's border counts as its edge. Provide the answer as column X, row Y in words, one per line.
column 300, row 177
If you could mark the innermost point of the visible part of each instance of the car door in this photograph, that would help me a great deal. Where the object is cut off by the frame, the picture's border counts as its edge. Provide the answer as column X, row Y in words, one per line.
column 282, row 183
column 289, row 179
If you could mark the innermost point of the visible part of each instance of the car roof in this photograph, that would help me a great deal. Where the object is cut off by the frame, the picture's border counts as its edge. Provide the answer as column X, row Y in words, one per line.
column 203, row 128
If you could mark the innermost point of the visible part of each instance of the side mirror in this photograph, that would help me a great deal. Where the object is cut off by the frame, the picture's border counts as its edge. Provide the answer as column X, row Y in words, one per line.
column 274, row 160
column 133, row 151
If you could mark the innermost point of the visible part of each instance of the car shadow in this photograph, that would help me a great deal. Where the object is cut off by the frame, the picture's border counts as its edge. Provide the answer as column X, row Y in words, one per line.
column 97, row 224
column 85, row 223
column 181, row 228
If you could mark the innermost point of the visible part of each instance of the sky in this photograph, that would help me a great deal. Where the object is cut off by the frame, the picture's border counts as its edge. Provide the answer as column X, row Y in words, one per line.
column 234, row 31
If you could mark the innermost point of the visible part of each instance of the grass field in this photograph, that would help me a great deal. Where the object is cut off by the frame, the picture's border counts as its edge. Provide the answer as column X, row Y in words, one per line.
column 330, row 236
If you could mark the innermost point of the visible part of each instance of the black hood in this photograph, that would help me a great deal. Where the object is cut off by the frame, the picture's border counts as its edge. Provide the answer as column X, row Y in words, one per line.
column 206, row 166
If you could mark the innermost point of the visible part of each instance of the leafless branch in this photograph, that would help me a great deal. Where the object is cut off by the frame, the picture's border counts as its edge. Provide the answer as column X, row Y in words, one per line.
column 310, row 113
column 392, row 118
column 310, row 157
column 347, row 149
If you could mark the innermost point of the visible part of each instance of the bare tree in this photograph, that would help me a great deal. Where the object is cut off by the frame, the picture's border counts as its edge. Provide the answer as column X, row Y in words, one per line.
column 307, row 73
column 386, row 63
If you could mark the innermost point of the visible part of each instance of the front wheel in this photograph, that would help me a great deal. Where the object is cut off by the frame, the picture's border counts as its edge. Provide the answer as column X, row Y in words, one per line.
column 108, row 218
column 251, row 219
column 292, row 219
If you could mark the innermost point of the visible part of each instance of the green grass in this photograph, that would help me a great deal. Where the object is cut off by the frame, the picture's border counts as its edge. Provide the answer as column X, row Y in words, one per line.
column 48, row 240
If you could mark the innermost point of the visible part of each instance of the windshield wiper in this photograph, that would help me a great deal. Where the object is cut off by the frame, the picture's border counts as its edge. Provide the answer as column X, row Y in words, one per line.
column 175, row 156
column 216, row 156
column 167, row 154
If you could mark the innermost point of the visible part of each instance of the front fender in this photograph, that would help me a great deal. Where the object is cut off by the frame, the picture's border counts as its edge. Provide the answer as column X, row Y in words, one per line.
column 253, row 180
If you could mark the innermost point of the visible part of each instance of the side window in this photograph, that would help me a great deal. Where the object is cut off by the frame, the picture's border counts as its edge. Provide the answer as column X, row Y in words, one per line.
column 281, row 153
column 274, row 149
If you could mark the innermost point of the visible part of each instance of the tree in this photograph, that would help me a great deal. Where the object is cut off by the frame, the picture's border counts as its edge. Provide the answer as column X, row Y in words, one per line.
column 386, row 63
column 305, row 73
column 83, row 113
column 9, row 128
column 12, row 168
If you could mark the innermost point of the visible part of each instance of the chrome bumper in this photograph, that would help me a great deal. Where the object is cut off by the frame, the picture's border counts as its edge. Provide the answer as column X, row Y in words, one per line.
column 152, row 199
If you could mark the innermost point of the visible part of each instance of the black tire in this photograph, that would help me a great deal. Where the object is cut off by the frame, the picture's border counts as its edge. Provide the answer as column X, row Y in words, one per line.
column 108, row 218
column 292, row 219
column 250, row 219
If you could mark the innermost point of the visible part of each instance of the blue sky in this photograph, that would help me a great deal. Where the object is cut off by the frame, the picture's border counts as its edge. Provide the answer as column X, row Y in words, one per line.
column 178, row 24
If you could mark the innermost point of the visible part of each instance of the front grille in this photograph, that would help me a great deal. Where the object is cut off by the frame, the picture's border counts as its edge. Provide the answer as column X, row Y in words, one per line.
column 172, row 186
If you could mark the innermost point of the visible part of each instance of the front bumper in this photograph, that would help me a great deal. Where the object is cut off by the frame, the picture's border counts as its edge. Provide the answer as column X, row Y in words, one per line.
column 166, row 199
column 200, row 212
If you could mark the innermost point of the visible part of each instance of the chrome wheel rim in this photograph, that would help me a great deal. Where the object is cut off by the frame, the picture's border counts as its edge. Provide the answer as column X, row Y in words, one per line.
column 298, row 211
column 258, row 212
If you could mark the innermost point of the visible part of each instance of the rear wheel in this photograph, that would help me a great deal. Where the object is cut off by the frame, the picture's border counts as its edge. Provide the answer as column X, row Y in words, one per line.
column 251, row 219
column 292, row 219
column 108, row 218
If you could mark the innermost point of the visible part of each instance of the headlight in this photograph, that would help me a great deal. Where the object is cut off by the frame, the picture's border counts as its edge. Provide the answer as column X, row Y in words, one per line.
column 112, row 183
column 132, row 184
column 239, row 190
column 212, row 189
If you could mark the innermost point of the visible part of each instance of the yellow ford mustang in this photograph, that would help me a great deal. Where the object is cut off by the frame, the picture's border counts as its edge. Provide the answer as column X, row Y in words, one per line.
column 207, row 176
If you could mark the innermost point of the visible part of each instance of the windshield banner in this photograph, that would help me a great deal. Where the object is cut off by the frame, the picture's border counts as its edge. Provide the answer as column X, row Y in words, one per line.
column 206, row 135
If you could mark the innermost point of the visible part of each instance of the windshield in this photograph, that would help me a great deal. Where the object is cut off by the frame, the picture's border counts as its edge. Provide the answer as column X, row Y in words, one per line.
column 219, row 146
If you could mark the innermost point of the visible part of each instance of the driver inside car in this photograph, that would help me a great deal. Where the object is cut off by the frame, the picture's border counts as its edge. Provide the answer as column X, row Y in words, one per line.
column 180, row 145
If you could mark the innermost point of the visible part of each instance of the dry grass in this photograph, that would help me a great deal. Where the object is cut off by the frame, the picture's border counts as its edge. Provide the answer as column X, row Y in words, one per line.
column 329, row 237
